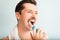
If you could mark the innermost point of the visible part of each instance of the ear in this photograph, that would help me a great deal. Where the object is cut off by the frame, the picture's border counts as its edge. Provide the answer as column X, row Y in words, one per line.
column 17, row 15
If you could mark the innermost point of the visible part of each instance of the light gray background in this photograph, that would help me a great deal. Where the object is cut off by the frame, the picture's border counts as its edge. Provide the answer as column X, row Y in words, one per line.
column 48, row 17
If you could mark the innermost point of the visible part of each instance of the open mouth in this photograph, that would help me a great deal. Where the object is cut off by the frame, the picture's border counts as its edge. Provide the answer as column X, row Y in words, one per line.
column 31, row 22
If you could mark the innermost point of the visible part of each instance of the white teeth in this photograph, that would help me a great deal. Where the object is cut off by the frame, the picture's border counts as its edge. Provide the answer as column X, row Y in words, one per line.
column 30, row 23
column 32, row 20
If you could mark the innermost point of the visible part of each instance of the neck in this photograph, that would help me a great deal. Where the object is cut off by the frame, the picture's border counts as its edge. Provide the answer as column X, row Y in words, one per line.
column 22, row 32
column 21, row 29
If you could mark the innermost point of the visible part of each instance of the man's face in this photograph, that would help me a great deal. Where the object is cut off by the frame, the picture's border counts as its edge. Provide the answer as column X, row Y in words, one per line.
column 28, row 16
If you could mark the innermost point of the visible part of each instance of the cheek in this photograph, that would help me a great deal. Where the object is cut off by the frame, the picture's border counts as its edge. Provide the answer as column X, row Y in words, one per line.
column 24, row 17
column 27, row 16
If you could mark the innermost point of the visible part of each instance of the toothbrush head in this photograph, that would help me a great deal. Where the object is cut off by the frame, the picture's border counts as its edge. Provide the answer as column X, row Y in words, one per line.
column 33, row 27
column 36, row 30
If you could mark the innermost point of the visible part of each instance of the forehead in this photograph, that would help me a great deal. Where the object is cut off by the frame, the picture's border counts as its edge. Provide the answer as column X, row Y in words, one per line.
column 30, row 6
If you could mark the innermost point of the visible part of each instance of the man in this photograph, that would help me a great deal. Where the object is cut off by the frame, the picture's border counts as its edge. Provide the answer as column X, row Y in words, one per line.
column 26, row 13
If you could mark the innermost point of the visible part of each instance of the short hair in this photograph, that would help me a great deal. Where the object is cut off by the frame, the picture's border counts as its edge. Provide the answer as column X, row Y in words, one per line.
column 20, row 7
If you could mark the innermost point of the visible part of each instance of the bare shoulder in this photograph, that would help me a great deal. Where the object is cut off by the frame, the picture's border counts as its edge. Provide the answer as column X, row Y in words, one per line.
column 5, row 38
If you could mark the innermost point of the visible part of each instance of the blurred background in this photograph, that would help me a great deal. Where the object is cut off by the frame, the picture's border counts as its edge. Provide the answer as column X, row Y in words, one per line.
column 48, row 17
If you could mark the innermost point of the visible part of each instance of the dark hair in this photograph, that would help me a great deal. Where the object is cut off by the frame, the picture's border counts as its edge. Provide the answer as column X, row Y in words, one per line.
column 20, row 6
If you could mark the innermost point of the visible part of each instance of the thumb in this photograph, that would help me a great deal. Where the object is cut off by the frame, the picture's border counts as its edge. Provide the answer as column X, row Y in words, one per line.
column 31, row 33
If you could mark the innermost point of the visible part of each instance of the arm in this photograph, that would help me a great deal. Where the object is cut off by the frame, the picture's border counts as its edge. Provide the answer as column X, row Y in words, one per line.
column 5, row 38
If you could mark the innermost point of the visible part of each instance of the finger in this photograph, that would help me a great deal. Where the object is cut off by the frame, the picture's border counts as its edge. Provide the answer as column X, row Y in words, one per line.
column 37, row 30
column 40, row 33
column 37, row 33
column 33, row 30
column 31, row 35
column 44, row 36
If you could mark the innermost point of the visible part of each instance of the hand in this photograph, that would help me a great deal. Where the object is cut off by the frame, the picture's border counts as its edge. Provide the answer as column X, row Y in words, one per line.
column 38, row 34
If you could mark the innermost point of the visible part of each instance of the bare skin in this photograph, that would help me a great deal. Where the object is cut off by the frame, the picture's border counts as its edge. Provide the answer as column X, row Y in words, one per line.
column 5, row 38
column 25, row 31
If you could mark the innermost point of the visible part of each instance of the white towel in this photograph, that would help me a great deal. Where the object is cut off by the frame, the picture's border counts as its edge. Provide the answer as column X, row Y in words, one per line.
column 14, row 34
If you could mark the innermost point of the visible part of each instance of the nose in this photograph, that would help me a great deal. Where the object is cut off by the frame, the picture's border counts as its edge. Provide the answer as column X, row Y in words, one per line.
column 34, row 16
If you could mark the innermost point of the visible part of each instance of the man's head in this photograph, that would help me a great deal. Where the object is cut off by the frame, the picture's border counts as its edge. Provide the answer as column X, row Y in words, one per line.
column 26, row 13
column 20, row 6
